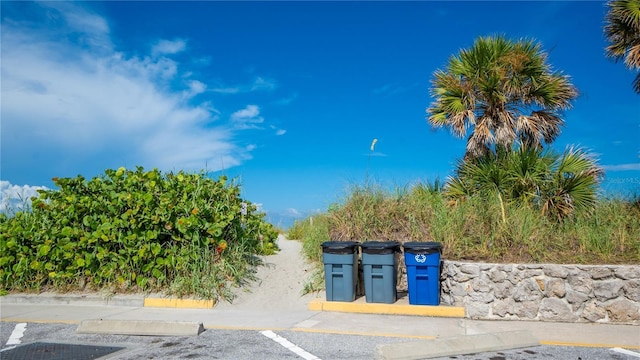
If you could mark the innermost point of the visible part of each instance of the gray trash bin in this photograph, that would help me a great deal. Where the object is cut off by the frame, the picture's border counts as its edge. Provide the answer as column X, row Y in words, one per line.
column 380, row 271
column 340, row 260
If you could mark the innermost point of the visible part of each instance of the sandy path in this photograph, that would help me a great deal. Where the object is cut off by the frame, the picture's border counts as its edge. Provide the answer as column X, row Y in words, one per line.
column 279, row 283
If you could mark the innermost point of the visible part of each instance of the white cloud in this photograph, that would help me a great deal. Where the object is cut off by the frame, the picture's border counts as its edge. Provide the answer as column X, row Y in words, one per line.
column 382, row 89
column 72, row 103
column 259, row 84
column 393, row 89
column 286, row 218
column 226, row 90
column 15, row 197
column 376, row 154
column 248, row 112
column 247, row 118
column 195, row 87
column 293, row 212
column 263, row 84
column 89, row 28
column 622, row 167
column 277, row 131
column 287, row 100
column 202, row 61
column 168, row 47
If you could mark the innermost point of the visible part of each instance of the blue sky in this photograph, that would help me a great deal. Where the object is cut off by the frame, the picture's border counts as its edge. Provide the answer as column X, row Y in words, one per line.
column 285, row 96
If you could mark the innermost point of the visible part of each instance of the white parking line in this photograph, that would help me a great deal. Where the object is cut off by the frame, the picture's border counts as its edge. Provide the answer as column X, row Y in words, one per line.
column 626, row 352
column 16, row 336
column 287, row 344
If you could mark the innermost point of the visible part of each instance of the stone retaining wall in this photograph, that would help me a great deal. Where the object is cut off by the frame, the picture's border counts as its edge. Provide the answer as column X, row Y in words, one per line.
column 544, row 292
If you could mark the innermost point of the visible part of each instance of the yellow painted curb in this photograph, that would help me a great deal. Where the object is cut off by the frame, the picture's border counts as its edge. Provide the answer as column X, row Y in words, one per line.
column 316, row 305
column 573, row 344
column 387, row 309
column 178, row 303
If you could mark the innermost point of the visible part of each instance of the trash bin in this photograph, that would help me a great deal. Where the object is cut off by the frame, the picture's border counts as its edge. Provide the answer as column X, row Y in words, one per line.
column 423, row 272
column 340, row 260
column 380, row 271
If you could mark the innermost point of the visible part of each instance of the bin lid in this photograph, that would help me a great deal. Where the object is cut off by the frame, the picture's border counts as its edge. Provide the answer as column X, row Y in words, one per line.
column 380, row 247
column 339, row 247
column 422, row 247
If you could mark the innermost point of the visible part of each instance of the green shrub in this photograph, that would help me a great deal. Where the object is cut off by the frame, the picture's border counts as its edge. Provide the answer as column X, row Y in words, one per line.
column 126, row 230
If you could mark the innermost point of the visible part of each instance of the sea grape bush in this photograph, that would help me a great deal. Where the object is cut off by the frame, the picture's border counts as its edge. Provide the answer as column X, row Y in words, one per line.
column 135, row 230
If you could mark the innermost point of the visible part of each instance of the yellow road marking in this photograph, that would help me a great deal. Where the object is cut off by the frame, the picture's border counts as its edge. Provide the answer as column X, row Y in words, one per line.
column 179, row 303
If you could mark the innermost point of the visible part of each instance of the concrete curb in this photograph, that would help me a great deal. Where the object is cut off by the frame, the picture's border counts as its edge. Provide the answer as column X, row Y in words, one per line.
column 106, row 300
column 398, row 308
column 74, row 299
column 140, row 327
column 458, row 345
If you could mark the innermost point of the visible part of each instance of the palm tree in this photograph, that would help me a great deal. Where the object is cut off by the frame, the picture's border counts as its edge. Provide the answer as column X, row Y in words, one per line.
column 555, row 184
column 622, row 29
column 572, row 184
column 505, row 91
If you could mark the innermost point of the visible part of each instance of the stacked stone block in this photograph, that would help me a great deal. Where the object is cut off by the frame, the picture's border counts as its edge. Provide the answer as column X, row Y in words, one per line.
column 542, row 292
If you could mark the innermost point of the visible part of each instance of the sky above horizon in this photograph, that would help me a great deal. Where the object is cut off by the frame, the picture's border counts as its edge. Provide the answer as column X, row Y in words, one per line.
column 286, row 97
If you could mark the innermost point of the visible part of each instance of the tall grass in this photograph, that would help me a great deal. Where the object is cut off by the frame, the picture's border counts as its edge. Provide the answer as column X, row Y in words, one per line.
column 209, row 275
column 312, row 231
column 474, row 229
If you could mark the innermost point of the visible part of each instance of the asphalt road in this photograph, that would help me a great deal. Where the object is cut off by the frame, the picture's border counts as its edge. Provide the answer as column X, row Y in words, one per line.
column 252, row 345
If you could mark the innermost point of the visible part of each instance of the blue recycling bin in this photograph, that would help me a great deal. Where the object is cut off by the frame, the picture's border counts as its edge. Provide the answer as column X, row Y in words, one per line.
column 380, row 271
column 422, row 260
column 340, row 260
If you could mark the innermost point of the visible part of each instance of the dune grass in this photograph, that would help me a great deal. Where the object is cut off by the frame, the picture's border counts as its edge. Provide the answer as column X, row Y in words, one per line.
column 474, row 230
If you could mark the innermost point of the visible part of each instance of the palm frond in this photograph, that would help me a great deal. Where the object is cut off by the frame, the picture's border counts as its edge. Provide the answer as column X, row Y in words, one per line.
column 578, row 161
column 622, row 29
column 456, row 189
column 557, row 184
